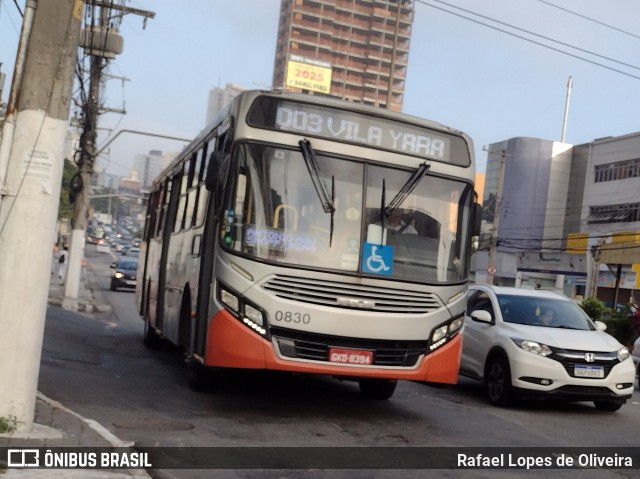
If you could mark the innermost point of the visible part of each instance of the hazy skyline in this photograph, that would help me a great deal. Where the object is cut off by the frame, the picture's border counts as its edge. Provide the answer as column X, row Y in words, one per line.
column 489, row 84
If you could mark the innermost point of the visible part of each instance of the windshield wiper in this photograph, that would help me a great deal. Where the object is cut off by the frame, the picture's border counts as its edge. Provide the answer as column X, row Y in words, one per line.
column 314, row 170
column 406, row 189
column 313, row 166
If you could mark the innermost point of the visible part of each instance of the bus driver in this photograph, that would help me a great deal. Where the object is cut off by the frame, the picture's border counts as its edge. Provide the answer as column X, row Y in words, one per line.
column 395, row 223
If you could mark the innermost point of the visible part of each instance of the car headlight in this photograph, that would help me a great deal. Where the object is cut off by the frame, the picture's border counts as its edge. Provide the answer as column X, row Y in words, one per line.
column 533, row 347
column 119, row 275
column 623, row 354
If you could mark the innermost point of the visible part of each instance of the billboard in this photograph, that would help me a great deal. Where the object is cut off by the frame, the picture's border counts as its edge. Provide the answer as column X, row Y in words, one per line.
column 309, row 74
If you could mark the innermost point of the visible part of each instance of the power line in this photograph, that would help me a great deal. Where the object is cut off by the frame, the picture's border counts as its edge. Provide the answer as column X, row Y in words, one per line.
column 15, row 2
column 589, row 19
column 549, row 47
column 529, row 32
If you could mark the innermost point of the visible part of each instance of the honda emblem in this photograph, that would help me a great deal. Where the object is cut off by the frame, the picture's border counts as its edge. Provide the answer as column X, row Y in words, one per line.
column 589, row 357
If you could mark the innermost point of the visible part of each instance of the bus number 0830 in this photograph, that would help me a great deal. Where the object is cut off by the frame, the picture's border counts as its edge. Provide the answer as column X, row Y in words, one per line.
column 289, row 317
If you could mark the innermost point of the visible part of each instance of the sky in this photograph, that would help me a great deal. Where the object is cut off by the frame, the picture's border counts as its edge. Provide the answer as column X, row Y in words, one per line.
column 490, row 84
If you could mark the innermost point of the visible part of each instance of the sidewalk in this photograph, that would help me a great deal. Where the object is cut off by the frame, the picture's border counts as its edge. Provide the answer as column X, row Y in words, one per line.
column 86, row 301
column 57, row 426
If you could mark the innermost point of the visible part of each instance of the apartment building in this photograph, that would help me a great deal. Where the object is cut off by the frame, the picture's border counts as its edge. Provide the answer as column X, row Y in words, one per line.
column 220, row 98
column 357, row 50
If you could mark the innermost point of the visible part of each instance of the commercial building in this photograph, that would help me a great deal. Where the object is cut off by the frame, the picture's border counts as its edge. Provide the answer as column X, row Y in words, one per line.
column 609, row 224
column 357, row 50
column 563, row 217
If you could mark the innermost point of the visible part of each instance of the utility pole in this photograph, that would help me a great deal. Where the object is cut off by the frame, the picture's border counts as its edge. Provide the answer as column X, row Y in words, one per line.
column 566, row 109
column 30, row 198
column 102, row 43
column 8, row 125
column 592, row 286
column 87, row 147
column 493, row 246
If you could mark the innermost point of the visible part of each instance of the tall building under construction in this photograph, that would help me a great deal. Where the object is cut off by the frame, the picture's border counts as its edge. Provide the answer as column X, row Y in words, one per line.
column 357, row 50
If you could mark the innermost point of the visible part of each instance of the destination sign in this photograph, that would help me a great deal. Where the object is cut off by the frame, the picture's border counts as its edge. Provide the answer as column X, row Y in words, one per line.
column 357, row 128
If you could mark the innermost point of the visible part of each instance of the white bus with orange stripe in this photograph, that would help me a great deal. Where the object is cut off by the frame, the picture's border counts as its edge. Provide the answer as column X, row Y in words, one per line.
column 305, row 234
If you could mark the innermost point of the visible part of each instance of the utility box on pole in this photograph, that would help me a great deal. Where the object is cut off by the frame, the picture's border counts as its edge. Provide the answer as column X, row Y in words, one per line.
column 29, row 206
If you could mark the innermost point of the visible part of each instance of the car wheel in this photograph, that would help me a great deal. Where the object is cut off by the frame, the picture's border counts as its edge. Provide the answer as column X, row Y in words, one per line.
column 610, row 406
column 150, row 338
column 377, row 388
column 498, row 382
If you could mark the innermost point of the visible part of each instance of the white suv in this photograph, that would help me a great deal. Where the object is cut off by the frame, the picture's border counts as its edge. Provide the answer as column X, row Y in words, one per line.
column 535, row 343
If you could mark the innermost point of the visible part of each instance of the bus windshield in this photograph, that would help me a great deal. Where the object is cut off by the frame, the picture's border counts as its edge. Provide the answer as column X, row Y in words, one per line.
column 273, row 212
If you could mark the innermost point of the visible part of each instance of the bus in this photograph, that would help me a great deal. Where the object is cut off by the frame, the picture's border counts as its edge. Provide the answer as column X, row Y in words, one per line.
column 307, row 234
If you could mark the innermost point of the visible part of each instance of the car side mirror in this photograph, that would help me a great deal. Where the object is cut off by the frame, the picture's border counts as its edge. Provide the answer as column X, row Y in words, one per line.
column 482, row 316
column 113, row 266
column 601, row 326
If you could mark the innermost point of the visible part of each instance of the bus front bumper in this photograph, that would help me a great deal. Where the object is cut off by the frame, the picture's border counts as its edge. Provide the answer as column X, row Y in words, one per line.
column 231, row 344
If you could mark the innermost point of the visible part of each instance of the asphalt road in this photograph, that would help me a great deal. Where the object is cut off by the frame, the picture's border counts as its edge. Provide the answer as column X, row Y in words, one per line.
column 98, row 367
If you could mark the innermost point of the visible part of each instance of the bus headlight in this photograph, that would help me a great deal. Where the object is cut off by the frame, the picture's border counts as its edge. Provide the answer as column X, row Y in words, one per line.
column 230, row 300
column 445, row 332
column 253, row 314
column 250, row 315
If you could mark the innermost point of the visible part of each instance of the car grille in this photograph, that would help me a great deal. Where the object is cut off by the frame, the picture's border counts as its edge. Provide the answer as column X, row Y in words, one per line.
column 352, row 296
column 572, row 358
column 315, row 347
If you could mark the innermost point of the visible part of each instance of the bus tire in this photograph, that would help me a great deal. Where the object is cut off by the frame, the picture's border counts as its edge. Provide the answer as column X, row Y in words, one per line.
column 150, row 338
column 198, row 376
column 379, row 389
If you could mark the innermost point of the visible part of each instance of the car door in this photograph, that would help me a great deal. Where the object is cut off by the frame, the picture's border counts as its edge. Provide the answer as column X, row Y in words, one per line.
column 478, row 336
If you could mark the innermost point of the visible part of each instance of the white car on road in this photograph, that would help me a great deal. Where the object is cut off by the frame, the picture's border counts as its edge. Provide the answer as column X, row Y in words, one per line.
column 536, row 343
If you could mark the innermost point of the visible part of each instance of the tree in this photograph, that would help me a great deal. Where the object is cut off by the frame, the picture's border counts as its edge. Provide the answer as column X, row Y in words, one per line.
column 65, row 210
column 594, row 308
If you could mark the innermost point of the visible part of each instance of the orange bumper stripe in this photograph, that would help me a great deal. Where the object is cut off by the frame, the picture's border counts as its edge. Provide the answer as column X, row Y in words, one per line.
column 231, row 344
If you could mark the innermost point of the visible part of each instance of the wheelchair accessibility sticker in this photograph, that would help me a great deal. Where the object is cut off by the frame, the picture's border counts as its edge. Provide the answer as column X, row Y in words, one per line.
column 377, row 259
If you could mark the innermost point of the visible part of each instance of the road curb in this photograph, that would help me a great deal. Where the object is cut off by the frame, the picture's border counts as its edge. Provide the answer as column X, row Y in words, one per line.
column 103, row 432
column 94, row 425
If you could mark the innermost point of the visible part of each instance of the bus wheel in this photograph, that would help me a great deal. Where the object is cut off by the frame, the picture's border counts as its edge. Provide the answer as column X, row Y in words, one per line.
column 197, row 376
column 377, row 388
column 150, row 338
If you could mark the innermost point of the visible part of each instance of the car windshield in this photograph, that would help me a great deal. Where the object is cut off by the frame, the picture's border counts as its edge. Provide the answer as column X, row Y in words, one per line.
column 278, row 211
column 545, row 312
column 128, row 265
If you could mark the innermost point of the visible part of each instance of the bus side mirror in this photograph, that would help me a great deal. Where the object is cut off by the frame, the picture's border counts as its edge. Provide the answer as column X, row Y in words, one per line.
column 477, row 219
column 213, row 171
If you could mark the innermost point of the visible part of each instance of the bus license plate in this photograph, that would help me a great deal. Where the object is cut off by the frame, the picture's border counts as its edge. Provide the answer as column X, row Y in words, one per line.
column 350, row 356
column 588, row 371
